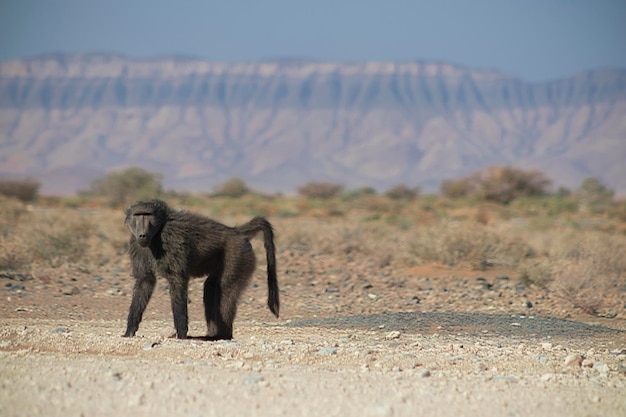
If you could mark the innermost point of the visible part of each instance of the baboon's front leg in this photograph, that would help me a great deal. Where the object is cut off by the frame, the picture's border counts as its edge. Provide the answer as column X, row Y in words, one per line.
column 178, row 296
column 142, row 291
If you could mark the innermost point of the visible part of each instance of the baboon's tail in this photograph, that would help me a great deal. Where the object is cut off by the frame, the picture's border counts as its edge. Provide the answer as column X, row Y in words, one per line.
column 250, row 229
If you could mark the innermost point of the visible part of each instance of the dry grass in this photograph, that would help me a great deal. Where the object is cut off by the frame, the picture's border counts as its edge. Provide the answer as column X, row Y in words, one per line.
column 573, row 256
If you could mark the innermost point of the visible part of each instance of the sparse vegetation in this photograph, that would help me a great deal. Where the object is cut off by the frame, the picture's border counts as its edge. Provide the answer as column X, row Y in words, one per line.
column 593, row 195
column 501, row 184
column 25, row 190
column 402, row 192
column 541, row 242
column 124, row 187
column 233, row 188
column 321, row 190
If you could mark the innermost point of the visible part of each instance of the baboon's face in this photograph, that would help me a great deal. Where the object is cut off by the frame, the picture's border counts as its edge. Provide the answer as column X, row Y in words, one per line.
column 143, row 224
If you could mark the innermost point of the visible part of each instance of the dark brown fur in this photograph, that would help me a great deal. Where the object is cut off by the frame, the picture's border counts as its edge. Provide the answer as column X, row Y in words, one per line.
column 178, row 245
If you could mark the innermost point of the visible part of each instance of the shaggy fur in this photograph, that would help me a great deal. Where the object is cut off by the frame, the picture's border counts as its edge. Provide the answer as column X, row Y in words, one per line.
column 178, row 245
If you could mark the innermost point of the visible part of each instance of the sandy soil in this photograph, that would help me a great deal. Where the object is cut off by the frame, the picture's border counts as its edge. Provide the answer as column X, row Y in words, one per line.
column 352, row 340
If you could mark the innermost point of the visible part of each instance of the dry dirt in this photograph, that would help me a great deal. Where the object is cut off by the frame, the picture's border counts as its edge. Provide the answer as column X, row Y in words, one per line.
column 353, row 340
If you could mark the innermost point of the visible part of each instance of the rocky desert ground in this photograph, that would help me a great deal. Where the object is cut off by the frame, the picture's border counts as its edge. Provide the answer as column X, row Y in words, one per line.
column 360, row 334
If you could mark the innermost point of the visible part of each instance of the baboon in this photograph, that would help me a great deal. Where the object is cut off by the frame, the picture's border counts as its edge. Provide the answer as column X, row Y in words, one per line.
column 177, row 245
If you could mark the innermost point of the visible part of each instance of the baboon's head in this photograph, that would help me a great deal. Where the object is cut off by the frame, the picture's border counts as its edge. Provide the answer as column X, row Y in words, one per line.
column 145, row 219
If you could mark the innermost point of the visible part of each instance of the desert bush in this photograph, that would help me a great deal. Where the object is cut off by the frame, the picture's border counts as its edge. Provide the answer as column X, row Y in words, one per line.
column 460, row 188
column 25, row 190
column 124, row 187
column 357, row 193
column 581, row 284
column 233, row 188
column 322, row 190
column 402, row 192
column 581, row 267
column 537, row 273
column 501, row 184
column 591, row 193
column 50, row 238
column 11, row 211
column 456, row 243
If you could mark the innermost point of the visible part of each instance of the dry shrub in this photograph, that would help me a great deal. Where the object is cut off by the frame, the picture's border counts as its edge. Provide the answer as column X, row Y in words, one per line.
column 582, row 285
column 538, row 274
column 461, row 188
column 402, row 192
column 323, row 190
column 342, row 240
column 25, row 190
column 59, row 237
column 233, row 188
column 126, row 186
column 455, row 243
column 501, row 184
column 584, row 268
column 10, row 212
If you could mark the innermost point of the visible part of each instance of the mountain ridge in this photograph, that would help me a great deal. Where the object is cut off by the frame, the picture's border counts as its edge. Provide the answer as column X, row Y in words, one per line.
column 281, row 124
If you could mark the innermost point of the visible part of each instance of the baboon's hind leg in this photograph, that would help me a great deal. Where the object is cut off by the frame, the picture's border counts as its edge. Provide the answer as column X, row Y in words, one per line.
column 221, row 294
column 212, row 300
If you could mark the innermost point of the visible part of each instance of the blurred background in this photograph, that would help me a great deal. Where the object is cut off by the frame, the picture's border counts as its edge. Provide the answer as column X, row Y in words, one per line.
column 281, row 93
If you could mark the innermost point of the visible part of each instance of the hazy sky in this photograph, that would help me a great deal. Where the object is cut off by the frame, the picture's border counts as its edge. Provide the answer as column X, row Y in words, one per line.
column 535, row 39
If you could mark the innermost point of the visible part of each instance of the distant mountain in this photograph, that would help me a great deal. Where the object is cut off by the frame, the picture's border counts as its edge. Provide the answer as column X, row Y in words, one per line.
column 67, row 119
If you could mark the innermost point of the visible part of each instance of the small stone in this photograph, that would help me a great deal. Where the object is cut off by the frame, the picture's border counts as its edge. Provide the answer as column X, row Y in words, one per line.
column 151, row 345
column 372, row 296
column 60, row 330
column 327, row 351
column 21, row 309
column 115, row 291
column 573, row 359
column 546, row 346
column 602, row 367
column 70, row 290
column 481, row 367
column 587, row 363
column 424, row 373
column 505, row 378
column 529, row 304
column 392, row 335
column 16, row 288
column 253, row 378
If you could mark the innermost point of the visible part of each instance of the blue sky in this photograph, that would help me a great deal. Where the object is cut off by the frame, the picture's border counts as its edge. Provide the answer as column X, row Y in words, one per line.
column 534, row 39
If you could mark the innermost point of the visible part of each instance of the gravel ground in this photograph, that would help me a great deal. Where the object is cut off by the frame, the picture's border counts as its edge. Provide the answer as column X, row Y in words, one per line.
column 353, row 339
column 339, row 367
